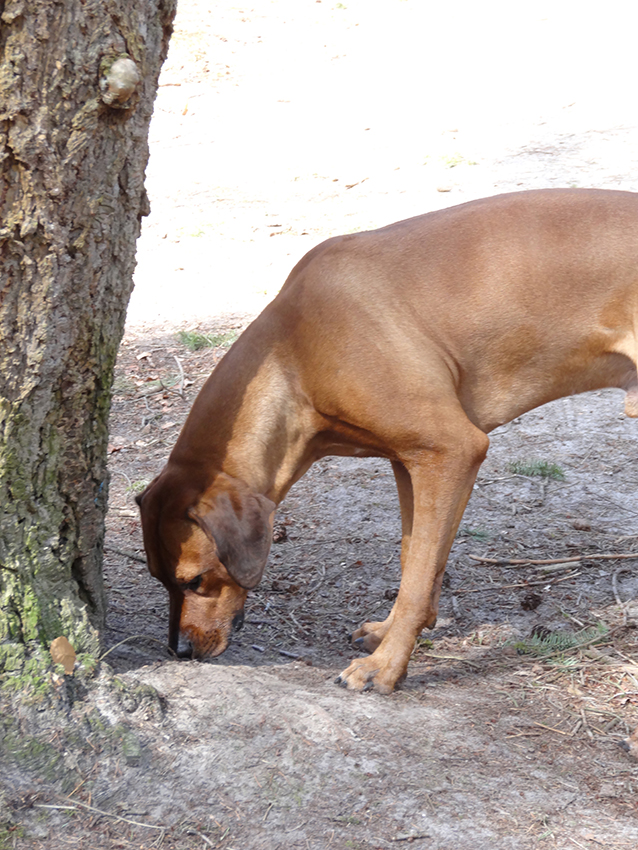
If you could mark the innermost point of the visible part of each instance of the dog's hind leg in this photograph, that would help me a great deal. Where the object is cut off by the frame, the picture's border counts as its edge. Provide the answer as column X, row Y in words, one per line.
column 631, row 400
column 442, row 476
column 370, row 635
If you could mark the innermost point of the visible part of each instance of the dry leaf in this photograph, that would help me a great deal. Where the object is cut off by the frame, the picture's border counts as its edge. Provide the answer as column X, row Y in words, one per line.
column 63, row 653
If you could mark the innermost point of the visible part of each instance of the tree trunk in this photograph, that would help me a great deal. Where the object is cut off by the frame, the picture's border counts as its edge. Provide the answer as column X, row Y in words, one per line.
column 77, row 83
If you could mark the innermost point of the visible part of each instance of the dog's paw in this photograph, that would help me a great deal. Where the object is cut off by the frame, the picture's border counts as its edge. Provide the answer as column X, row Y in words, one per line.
column 365, row 675
column 369, row 636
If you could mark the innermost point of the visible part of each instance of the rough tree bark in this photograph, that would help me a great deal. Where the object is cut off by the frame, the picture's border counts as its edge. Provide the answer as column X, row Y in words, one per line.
column 77, row 83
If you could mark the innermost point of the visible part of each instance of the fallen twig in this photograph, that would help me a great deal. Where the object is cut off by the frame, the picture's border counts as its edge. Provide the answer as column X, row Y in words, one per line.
column 124, row 512
column 297, row 623
column 555, row 568
column 137, row 637
column 551, row 728
column 57, row 808
column 410, row 836
column 545, row 582
column 527, row 562
column 449, row 658
column 156, row 388
column 203, row 837
column 180, row 391
column 126, row 554
column 77, row 803
column 124, row 475
column 627, row 658
column 588, row 731
column 530, row 734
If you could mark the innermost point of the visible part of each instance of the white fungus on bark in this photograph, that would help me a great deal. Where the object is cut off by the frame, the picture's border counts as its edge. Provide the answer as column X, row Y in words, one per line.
column 119, row 81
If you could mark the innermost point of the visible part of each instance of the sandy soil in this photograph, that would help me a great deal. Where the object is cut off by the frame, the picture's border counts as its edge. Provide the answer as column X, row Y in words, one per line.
column 279, row 124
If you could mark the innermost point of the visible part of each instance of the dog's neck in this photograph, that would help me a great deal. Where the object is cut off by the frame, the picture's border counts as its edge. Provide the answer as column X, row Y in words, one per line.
column 269, row 445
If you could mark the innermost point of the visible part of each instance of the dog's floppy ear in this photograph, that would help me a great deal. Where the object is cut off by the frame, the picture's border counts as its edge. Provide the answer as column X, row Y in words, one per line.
column 239, row 523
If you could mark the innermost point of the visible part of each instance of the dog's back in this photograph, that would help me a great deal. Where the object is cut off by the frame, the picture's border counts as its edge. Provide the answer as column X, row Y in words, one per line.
column 524, row 298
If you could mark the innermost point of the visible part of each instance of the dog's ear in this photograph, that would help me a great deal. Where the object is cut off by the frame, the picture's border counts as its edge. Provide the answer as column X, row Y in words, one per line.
column 149, row 517
column 239, row 523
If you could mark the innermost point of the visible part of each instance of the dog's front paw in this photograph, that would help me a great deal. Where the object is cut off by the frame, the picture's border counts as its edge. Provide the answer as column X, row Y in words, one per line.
column 368, row 674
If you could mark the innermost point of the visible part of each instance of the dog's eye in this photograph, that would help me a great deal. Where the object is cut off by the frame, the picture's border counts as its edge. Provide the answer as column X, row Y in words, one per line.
column 193, row 584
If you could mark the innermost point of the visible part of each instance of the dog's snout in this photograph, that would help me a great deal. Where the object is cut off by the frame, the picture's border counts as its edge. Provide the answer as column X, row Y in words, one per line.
column 238, row 621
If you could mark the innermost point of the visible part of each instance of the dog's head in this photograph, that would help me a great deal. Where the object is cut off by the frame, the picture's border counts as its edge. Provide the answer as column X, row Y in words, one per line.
column 208, row 550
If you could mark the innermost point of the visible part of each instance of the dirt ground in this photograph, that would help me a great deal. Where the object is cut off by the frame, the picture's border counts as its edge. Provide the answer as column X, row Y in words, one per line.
column 279, row 124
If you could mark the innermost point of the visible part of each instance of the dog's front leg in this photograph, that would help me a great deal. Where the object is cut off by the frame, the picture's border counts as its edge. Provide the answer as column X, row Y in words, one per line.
column 442, row 481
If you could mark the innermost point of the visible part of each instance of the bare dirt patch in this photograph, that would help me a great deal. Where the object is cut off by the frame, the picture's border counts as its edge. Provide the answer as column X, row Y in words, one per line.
column 506, row 731
column 278, row 125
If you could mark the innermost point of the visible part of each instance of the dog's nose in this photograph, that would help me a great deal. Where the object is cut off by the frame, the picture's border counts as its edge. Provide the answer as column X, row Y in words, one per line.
column 238, row 620
column 184, row 648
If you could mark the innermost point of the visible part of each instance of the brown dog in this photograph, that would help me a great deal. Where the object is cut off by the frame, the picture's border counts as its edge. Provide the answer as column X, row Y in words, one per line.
column 412, row 343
